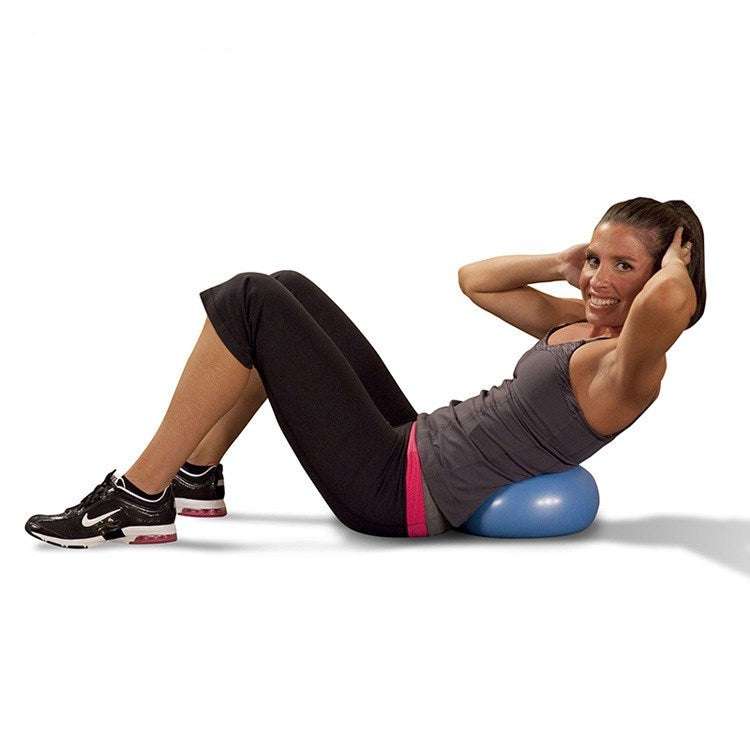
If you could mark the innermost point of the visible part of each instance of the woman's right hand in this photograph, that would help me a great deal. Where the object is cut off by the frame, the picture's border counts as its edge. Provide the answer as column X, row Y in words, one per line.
column 677, row 251
column 571, row 263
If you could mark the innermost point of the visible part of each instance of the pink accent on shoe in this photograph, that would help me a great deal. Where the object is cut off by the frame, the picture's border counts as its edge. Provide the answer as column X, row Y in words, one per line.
column 154, row 539
column 203, row 512
column 416, row 521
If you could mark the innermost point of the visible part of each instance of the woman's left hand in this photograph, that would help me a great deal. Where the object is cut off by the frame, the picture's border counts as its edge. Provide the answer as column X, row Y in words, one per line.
column 677, row 251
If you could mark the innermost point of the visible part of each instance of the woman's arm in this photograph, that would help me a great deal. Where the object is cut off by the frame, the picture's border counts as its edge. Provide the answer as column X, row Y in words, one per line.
column 673, row 280
column 501, row 286
column 509, row 272
column 659, row 314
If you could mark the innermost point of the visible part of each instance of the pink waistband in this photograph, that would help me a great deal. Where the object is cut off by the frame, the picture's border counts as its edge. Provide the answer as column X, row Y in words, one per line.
column 416, row 521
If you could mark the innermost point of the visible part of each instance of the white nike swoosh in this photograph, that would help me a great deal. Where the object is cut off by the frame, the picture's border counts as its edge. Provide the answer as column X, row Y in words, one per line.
column 86, row 521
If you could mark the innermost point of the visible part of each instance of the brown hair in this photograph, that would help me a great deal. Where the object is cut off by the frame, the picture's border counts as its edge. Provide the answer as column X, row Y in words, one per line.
column 660, row 221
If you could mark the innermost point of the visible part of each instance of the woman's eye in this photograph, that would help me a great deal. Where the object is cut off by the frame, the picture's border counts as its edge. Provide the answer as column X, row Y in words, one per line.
column 589, row 258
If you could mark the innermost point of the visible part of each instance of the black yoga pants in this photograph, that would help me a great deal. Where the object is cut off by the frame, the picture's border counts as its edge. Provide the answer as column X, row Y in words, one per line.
column 337, row 404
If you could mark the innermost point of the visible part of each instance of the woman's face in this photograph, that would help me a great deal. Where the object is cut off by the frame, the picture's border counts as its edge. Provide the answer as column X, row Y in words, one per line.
column 617, row 266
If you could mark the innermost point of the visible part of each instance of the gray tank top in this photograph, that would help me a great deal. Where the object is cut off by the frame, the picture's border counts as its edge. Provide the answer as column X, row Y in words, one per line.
column 526, row 426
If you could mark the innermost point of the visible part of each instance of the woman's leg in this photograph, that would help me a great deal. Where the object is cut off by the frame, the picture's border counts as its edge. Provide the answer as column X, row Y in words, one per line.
column 366, row 362
column 220, row 437
column 352, row 453
column 210, row 385
column 115, row 510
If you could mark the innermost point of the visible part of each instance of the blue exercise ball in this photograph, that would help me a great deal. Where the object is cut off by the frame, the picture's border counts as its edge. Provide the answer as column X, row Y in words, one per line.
column 565, row 502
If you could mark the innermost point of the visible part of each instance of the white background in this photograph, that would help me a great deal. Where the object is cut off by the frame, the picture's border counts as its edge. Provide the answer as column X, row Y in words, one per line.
column 149, row 150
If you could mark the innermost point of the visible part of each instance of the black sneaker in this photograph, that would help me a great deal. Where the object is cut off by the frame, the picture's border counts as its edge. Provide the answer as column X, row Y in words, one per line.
column 110, row 512
column 200, row 494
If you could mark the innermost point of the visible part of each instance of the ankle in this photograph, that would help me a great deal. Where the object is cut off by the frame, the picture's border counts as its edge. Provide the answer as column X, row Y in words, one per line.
column 202, row 458
column 137, row 489
column 196, row 469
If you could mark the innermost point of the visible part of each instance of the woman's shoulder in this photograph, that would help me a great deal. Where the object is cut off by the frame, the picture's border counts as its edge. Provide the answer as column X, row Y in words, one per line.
column 608, row 408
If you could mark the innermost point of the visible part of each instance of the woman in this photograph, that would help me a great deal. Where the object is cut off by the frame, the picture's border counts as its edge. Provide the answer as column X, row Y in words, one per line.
column 381, row 467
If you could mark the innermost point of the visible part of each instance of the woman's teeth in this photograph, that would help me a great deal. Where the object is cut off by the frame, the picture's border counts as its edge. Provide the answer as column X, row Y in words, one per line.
column 602, row 301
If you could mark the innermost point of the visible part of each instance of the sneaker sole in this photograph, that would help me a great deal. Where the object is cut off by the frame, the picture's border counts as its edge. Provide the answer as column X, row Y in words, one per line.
column 131, row 535
column 200, row 508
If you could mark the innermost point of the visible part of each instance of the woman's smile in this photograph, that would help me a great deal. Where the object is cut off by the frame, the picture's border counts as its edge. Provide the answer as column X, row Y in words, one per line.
column 601, row 302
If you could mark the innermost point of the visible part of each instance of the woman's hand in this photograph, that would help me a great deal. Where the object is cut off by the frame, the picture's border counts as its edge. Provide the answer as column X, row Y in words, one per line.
column 677, row 251
column 571, row 263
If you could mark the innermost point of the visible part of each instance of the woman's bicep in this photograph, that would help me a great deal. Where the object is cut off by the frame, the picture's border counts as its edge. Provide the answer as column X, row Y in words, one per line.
column 528, row 309
column 654, row 323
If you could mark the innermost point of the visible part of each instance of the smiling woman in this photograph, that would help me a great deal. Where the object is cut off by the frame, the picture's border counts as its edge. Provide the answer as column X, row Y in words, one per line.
column 383, row 468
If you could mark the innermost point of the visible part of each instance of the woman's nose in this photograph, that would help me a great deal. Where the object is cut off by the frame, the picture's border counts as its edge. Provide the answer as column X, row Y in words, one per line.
column 600, row 279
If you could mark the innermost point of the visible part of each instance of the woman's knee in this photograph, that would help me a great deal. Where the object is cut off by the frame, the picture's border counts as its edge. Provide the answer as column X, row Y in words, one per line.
column 249, row 277
column 291, row 279
column 257, row 281
column 243, row 290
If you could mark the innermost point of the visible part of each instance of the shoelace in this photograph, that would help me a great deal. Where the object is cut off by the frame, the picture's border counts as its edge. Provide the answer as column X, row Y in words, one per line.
column 96, row 494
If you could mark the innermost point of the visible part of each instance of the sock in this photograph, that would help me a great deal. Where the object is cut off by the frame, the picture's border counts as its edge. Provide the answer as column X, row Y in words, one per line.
column 138, row 491
column 189, row 468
